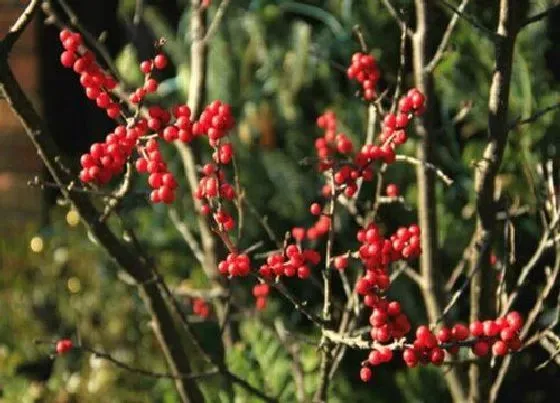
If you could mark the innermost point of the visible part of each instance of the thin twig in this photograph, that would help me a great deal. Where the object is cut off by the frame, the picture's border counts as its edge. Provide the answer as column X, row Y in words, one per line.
column 488, row 33
column 534, row 117
column 393, row 12
column 9, row 40
column 213, row 28
column 539, row 16
column 415, row 161
column 187, row 235
column 445, row 39
column 401, row 71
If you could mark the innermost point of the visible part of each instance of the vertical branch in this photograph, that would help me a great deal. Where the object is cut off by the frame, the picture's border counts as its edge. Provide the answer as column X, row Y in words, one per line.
column 483, row 282
column 326, row 345
column 431, row 290
column 197, row 86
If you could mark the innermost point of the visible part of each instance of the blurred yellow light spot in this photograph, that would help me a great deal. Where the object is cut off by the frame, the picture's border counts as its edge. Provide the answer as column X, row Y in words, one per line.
column 73, row 218
column 74, row 285
column 36, row 244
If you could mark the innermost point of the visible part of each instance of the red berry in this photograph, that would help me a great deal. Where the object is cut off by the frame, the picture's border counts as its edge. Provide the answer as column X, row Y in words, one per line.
column 146, row 66
column 480, row 348
column 160, row 61
column 63, row 346
column 476, row 328
column 499, row 348
column 460, row 332
column 515, row 320
column 315, row 209
column 365, row 374
column 392, row 190
column 341, row 262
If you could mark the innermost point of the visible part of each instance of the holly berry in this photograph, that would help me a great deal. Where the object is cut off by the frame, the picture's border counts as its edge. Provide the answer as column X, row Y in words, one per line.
column 63, row 346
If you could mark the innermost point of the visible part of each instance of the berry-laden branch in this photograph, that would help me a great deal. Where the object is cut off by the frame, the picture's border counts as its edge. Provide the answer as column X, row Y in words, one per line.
column 164, row 327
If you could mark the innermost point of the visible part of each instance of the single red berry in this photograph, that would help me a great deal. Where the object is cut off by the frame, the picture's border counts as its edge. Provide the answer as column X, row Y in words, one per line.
column 460, row 332
column 151, row 85
column 437, row 356
column 341, row 262
column 365, row 374
column 315, row 209
column 480, row 348
column 515, row 320
column 476, row 328
column 499, row 348
column 146, row 66
column 67, row 58
column 392, row 190
column 160, row 61
column 63, row 346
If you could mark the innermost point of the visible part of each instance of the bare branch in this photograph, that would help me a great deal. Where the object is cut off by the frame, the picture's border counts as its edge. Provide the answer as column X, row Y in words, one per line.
column 446, row 36
column 213, row 28
column 534, row 117
column 396, row 15
column 539, row 16
column 9, row 40
column 187, row 235
column 471, row 20
column 415, row 161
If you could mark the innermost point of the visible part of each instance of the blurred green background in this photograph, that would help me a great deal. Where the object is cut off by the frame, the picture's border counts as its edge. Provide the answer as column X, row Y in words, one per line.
column 279, row 64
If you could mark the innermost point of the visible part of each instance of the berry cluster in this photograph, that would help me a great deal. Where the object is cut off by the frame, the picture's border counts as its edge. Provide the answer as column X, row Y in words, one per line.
column 201, row 308
column 235, row 265
column 160, row 179
column 386, row 320
column 364, row 70
column 260, row 292
column 410, row 105
column 294, row 262
column 500, row 337
column 107, row 159
column 97, row 84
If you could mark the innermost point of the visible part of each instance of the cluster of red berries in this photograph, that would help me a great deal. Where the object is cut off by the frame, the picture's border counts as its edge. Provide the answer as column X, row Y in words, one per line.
column 410, row 105
column 235, row 265
column 498, row 336
column 201, row 308
column 386, row 320
column 501, row 335
column 215, row 122
column 63, row 346
column 159, row 62
column 96, row 82
column 260, row 292
column 293, row 262
column 331, row 142
column 364, row 70
column 107, row 159
column 160, row 179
